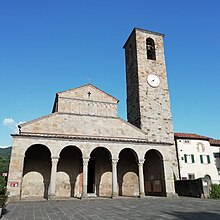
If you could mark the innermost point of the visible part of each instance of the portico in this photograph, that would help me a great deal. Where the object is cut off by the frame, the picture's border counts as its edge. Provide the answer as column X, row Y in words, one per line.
column 119, row 170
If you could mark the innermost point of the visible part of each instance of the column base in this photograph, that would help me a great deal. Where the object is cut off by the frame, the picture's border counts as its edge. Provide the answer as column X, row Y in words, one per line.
column 142, row 195
column 172, row 195
column 52, row 197
column 85, row 196
column 114, row 195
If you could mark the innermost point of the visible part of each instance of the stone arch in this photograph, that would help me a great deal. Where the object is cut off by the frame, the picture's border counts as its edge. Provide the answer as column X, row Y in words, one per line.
column 135, row 153
column 154, row 173
column 100, row 172
column 69, row 172
column 36, row 172
column 128, row 180
column 99, row 147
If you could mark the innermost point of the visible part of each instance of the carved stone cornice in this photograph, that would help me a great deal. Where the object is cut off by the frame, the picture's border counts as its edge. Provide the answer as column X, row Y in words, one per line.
column 95, row 138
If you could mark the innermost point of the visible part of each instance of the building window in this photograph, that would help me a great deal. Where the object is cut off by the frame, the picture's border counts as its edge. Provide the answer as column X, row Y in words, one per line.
column 218, row 169
column 187, row 142
column 205, row 159
column 216, row 155
column 191, row 176
column 189, row 158
column 151, row 54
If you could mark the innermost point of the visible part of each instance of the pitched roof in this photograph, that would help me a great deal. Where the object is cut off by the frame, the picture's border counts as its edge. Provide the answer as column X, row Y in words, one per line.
column 214, row 142
column 89, row 85
column 189, row 135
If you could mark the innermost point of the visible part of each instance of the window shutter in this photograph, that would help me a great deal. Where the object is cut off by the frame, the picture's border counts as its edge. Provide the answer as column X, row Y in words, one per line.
column 192, row 157
column 185, row 158
column 208, row 158
column 201, row 159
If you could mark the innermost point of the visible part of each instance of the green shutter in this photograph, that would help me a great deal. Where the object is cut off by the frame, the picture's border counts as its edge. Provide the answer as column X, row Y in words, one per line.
column 185, row 158
column 201, row 159
column 192, row 157
column 208, row 158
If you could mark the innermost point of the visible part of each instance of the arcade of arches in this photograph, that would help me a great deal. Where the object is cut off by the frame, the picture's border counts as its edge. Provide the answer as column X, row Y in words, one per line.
column 71, row 174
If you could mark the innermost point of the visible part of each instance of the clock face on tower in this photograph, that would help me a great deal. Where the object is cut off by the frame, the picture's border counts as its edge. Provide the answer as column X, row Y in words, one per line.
column 153, row 80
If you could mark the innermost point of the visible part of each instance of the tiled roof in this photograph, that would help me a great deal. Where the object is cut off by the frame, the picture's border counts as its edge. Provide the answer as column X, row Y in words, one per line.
column 191, row 136
column 214, row 142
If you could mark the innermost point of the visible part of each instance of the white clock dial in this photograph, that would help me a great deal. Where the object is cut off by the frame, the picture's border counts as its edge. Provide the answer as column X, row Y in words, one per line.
column 153, row 80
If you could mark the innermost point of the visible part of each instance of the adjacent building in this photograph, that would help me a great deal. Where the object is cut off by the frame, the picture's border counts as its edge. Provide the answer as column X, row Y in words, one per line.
column 198, row 157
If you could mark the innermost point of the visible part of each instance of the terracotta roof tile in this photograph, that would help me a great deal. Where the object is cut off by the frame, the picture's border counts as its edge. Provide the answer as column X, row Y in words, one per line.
column 214, row 142
column 189, row 135
column 196, row 136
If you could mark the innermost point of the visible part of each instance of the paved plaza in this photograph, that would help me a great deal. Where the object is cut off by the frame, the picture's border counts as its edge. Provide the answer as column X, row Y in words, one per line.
column 121, row 208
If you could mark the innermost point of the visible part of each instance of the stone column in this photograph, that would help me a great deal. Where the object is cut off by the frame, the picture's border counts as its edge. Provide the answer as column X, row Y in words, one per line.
column 114, row 178
column 53, row 174
column 141, row 178
column 85, row 177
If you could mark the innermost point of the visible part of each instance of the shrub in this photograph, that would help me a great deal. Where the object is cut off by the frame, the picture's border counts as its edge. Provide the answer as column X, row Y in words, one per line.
column 215, row 191
column 3, row 193
column 2, row 184
column 3, row 199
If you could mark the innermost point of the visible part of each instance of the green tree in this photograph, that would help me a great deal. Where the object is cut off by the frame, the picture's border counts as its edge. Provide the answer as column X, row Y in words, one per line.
column 215, row 191
column 3, row 193
column 2, row 184
column 4, row 164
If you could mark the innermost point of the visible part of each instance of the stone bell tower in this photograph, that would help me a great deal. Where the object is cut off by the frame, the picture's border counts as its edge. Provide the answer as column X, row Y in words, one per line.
column 148, row 101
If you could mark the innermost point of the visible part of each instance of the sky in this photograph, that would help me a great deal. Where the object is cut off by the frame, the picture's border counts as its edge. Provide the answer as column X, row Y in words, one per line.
column 48, row 46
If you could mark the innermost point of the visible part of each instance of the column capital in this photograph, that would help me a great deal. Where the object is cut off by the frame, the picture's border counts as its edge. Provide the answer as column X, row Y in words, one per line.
column 54, row 160
column 141, row 162
column 85, row 161
column 114, row 161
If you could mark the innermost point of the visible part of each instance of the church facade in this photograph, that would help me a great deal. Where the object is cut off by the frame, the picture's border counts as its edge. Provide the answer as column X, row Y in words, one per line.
column 83, row 149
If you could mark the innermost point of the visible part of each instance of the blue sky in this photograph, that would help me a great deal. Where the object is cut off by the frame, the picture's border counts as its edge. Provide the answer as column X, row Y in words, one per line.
column 50, row 46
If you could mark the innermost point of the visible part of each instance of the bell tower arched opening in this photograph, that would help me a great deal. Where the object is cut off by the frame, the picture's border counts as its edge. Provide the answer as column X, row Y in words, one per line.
column 150, row 45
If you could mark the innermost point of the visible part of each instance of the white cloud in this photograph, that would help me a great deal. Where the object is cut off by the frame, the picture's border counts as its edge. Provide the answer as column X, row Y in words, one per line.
column 11, row 124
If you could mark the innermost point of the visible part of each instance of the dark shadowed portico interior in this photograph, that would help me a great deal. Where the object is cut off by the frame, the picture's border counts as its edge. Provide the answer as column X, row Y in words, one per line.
column 36, row 172
column 154, row 174
column 128, row 173
column 69, row 172
column 99, row 173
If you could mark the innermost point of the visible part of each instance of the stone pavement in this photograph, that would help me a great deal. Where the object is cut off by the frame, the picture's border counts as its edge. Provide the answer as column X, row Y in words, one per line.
column 120, row 208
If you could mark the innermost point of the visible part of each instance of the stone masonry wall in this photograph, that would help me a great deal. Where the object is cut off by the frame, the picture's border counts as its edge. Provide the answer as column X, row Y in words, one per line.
column 71, row 124
column 155, row 114
column 87, row 100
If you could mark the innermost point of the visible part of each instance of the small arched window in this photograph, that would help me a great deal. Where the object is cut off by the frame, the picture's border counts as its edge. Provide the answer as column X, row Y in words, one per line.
column 151, row 54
